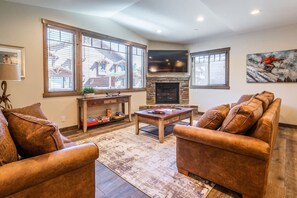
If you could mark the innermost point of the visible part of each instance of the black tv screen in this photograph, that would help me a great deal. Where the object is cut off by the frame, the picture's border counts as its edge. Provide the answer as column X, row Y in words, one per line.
column 167, row 61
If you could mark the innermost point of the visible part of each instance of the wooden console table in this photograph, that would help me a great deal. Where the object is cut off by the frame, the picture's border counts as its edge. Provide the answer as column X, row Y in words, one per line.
column 84, row 103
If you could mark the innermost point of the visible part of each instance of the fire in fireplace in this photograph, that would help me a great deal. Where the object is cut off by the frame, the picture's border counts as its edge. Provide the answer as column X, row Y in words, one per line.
column 167, row 93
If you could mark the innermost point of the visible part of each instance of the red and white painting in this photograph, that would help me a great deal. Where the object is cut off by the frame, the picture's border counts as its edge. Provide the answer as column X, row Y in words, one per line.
column 270, row 67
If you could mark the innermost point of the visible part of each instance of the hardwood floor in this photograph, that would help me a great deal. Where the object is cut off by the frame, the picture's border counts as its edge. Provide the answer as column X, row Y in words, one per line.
column 110, row 185
column 282, row 181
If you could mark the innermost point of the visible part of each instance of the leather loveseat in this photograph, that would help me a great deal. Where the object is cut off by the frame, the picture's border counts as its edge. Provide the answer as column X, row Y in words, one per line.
column 67, row 172
column 239, row 162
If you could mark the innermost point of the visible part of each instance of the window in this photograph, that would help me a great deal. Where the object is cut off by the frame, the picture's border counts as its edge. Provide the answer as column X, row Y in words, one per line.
column 138, row 67
column 76, row 58
column 60, row 48
column 210, row 69
column 104, row 64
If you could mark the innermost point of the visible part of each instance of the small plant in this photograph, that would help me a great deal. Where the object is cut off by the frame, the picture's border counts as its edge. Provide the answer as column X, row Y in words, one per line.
column 87, row 90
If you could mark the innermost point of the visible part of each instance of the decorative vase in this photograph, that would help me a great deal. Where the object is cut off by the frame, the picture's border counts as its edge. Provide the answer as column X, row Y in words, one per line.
column 89, row 95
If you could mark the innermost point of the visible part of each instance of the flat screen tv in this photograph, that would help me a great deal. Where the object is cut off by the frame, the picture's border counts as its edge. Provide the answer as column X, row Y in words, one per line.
column 167, row 61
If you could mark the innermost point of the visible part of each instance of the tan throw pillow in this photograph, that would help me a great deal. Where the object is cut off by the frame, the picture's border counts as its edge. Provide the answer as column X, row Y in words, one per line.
column 264, row 99
column 269, row 95
column 2, row 118
column 243, row 116
column 34, row 136
column 8, row 151
column 32, row 110
column 213, row 118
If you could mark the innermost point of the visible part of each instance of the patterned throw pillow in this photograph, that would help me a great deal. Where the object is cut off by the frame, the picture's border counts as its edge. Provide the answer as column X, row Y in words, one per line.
column 32, row 110
column 34, row 136
column 213, row 118
column 8, row 151
column 243, row 116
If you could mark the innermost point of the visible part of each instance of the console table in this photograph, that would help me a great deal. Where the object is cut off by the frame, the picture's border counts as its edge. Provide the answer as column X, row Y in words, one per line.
column 84, row 103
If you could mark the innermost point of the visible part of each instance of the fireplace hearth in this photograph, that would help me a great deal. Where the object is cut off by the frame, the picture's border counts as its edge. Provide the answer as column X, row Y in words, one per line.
column 167, row 93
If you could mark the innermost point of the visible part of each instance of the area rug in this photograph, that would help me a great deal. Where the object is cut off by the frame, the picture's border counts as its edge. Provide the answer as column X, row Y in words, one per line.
column 148, row 165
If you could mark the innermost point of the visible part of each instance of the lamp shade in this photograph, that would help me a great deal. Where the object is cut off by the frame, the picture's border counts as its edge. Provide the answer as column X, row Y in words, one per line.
column 9, row 72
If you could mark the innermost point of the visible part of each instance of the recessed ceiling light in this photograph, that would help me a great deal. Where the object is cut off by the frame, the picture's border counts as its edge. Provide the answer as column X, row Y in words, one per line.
column 200, row 18
column 159, row 31
column 255, row 12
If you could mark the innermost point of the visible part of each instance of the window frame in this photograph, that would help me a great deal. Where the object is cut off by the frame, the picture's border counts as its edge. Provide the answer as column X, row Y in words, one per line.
column 208, row 53
column 78, row 32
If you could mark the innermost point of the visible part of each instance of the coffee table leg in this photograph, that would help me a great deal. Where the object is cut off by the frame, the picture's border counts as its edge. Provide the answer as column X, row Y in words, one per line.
column 161, row 131
column 136, row 125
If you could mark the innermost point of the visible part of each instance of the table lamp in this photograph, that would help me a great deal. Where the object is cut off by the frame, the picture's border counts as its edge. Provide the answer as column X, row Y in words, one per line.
column 7, row 72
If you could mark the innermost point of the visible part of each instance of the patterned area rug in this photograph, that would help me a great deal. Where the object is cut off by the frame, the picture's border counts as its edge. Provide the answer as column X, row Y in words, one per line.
column 148, row 165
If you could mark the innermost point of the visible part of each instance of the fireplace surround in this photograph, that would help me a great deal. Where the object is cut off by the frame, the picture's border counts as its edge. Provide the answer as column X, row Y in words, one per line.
column 167, row 93
column 183, row 89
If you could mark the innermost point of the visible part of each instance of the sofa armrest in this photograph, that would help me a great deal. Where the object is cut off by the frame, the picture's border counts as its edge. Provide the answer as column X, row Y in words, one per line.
column 240, row 144
column 23, row 174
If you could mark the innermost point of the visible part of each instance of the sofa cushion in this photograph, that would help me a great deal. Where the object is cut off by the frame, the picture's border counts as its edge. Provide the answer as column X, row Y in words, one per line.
column 266, row 125
column 243, row 116
column 213, row 118
column 32, row 110
column 34, row 136
column 264, row 99
column 8, row 151
column 66, row 142
column 269, row 95
column 2, row 118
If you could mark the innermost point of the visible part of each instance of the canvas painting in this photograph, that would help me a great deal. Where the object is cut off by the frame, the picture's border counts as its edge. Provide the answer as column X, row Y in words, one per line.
column 270, row 67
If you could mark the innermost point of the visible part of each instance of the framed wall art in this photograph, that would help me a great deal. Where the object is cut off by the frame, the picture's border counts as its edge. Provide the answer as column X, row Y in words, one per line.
column 272, row 67
column 13, row 55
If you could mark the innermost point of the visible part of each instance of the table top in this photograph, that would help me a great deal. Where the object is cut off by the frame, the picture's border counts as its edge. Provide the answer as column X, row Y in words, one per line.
column 169, row 112
column 103, row 97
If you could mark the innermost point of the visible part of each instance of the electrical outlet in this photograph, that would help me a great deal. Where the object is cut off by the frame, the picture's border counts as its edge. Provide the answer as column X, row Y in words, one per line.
column 63, row 118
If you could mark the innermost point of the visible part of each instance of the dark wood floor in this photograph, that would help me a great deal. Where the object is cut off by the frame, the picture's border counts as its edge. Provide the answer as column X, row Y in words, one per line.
column 110, row 185
column 282, row 180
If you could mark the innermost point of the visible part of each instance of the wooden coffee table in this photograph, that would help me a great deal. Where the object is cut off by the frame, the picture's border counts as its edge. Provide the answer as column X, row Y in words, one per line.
column 161, row 120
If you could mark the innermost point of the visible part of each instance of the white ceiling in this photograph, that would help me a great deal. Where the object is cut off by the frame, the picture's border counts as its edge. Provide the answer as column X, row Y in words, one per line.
column 177, row 18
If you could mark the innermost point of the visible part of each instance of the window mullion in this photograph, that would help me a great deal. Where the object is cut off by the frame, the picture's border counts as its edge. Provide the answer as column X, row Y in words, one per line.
column 130, row 67
column 208, row 73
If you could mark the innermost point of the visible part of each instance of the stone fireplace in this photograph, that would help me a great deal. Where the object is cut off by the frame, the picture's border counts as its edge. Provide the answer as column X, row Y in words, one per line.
column 174, row 85
column 167, row 93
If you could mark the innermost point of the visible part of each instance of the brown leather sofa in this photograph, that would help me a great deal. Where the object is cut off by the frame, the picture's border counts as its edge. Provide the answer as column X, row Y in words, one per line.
column 238, row 162
column 69, row 172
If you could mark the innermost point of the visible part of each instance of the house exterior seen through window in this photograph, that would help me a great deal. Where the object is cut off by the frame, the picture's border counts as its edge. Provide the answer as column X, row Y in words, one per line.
column 60, row 47
column 104, row 64
column 76, row 58
column 210, row 69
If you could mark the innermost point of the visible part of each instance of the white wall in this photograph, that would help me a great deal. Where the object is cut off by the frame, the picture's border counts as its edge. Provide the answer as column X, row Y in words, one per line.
column 157, row 45
column 21, row 26
column 283, row 38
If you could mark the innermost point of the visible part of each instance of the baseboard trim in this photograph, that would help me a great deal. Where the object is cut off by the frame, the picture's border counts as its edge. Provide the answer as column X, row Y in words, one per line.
column 70, row 128
column 292, row 126
column 200, row 113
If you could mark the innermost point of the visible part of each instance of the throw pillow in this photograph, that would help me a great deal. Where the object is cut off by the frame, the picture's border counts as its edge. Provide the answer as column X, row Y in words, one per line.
column 8, row 151
column 34, row 136
column 32, row 110
column 2, row 118
column 213, row 118
column 243, row 116
column 269, row 95
column 264, row 99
